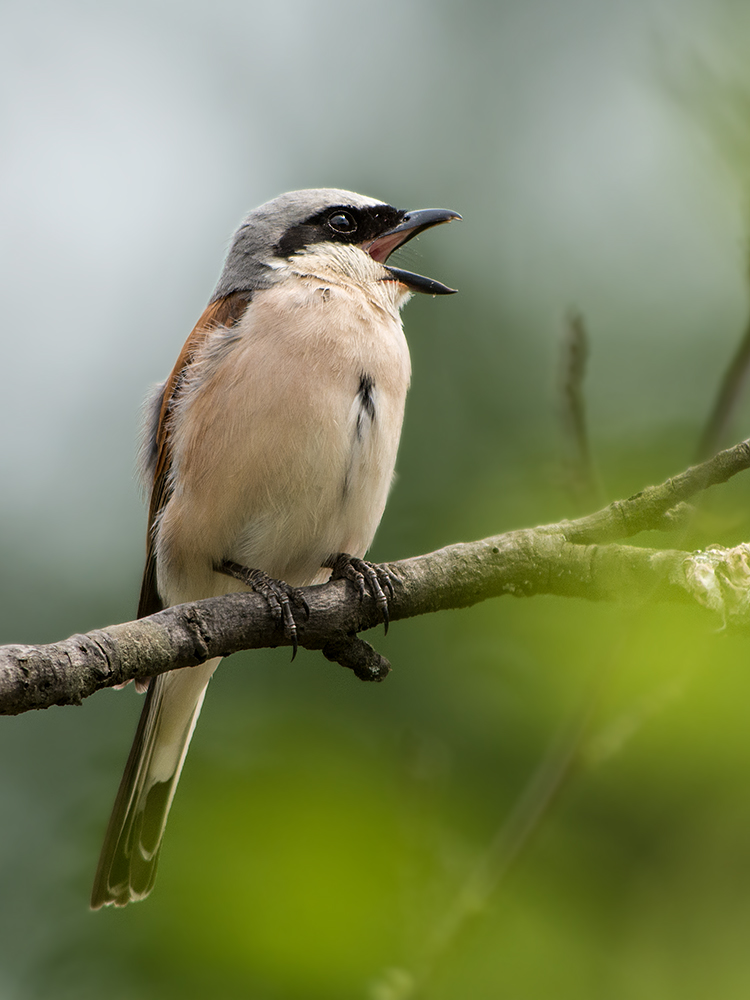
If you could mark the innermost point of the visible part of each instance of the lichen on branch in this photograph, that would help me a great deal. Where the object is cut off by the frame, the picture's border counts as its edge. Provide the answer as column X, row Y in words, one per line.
column 579, row 558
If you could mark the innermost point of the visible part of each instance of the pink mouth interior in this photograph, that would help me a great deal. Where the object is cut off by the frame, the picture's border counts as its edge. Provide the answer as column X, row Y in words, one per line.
column 381, row 249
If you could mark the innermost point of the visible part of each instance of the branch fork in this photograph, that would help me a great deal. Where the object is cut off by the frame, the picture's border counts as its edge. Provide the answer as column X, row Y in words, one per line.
column 578, row 558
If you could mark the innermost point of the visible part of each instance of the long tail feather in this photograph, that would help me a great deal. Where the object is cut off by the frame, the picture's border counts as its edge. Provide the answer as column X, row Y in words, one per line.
column 129, row 857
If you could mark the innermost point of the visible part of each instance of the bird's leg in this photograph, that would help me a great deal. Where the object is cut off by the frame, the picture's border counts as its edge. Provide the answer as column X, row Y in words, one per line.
column 278, row 595
column 365, row 576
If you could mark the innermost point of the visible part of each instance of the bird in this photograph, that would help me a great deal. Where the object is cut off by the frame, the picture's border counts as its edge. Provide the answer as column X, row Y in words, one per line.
column 267, row 456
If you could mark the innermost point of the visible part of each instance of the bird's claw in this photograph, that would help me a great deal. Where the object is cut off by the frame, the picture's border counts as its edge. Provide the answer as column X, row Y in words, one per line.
column 366, row 576
column 278, row 595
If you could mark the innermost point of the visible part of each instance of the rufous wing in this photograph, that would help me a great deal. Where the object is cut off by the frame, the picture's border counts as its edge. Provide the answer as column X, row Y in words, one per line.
column 224, row 312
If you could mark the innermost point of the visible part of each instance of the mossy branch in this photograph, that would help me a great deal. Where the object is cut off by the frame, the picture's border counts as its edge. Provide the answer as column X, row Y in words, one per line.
column 569, row 559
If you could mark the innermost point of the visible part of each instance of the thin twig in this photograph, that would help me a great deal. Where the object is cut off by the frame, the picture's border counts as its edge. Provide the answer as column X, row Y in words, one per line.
column 574, row 352
column 727, row 399
column 512, row 838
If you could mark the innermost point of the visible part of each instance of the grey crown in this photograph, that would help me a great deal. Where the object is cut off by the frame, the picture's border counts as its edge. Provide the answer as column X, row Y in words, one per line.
column 249, row 263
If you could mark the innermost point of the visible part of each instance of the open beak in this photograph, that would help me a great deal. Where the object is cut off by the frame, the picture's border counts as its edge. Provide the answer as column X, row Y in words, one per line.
column 412, row 224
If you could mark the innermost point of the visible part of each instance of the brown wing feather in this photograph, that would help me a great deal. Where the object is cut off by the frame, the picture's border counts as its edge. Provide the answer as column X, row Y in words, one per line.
column 225, row 311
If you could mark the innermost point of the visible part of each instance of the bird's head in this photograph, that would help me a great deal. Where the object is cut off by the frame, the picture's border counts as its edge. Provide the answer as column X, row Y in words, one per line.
column 316, row 219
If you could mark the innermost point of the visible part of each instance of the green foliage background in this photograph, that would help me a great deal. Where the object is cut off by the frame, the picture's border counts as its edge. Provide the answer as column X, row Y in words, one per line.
column 325, row 830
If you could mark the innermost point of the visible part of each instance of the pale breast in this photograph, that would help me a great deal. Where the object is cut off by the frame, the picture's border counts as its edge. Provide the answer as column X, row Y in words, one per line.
column 285, row 437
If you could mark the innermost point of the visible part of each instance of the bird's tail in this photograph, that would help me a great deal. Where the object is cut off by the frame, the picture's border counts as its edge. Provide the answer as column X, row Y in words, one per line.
column 127, row 864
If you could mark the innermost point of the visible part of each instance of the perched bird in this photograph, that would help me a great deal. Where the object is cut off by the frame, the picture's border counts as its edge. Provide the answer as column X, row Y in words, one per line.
column 268, row 454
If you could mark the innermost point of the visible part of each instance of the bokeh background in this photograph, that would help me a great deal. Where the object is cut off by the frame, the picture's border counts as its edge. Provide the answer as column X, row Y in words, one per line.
column 330, row 839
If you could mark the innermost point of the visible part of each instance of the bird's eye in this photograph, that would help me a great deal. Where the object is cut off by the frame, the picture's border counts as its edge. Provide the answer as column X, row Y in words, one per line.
column 342, row 222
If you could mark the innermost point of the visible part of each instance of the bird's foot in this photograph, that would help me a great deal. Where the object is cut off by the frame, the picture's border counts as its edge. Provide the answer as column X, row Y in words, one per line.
column 278, row 595
column 365, row 576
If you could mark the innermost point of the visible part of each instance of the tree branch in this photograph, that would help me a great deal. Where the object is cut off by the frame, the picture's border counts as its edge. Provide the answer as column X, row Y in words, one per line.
column 564, row 559
column 657, row 508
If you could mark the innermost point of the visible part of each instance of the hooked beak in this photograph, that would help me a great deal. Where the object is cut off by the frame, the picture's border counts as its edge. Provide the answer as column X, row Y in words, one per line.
column 412, row 224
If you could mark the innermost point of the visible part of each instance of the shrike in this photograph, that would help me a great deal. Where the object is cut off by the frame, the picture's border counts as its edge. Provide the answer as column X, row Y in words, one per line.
column 268, row 454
